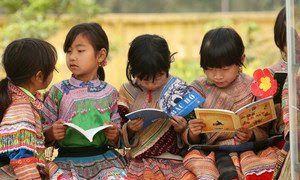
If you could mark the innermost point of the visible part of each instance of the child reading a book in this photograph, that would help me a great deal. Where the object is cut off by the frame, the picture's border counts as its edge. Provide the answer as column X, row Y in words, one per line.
column 87, row 101
column 29, row 65
column 224, row 87
column 154, row 151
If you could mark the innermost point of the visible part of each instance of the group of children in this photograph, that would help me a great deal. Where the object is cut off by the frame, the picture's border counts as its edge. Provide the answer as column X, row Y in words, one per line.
column 30, row 122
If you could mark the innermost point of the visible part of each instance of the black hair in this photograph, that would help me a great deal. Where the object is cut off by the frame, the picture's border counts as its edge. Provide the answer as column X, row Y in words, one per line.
column 21, row 60
column 221, row 47
column 280, row 30
column 96, row 36
column 148, row 56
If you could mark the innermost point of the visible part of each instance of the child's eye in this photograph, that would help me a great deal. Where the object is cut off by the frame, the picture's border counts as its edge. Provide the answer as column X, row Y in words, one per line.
column 81, row 50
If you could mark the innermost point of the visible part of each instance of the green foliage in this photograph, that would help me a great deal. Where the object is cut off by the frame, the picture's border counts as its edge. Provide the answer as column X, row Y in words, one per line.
column 158, row 6
column 40, row 18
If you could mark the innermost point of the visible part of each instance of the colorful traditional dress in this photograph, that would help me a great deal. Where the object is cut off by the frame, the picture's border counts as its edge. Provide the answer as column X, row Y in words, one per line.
column 22, row 146
column 212, row 164
column 279, row 67
column 88, row 105
column 155, row 151
column 277, row 126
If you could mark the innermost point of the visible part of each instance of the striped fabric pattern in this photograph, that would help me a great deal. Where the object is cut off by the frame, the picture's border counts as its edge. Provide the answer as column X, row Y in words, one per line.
column 27, row 171
column 21, row 129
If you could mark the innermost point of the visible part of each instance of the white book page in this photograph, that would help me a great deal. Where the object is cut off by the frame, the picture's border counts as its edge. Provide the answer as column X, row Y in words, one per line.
column 89, row 134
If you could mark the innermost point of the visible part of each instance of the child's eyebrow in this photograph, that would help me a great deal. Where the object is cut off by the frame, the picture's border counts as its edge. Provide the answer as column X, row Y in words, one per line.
column 79, row 45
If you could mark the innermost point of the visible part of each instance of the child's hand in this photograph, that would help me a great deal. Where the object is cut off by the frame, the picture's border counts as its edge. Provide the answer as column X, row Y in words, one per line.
column 179, row 124
column 196, row 126
column 243, row 135
column 195, row 129
column 57, row 131
column 135, row 125
column 112, row 134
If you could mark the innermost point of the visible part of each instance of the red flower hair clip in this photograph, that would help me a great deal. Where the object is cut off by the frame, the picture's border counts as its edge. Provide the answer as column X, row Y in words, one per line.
column 263, row 84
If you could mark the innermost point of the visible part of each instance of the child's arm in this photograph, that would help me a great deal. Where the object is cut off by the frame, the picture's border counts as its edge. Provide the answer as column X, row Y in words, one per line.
column 113, row 133
column 49, row 115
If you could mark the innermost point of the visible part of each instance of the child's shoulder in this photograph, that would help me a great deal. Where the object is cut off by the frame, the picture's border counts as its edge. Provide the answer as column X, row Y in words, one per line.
column 109, row 86
column 24, row 109
column 245, row 79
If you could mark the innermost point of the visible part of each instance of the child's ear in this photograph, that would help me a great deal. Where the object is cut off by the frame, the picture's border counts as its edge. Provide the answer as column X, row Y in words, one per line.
column 39, row 77
column 243, row 58
column 101, row 55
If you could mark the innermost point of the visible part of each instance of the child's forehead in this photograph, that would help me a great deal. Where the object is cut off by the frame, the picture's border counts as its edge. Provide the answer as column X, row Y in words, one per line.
column 81, row 40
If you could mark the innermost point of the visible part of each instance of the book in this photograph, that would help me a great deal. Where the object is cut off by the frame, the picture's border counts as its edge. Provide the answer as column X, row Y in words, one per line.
column 89, row 134
column 249, row 116
column 177, row 98
column 280, row 77
column 148, row 114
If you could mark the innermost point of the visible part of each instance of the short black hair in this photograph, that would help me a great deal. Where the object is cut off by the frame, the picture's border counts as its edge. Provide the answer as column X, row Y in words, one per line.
column 96, row 36
column 280, row 30
column 221, row 47
column 148, row 56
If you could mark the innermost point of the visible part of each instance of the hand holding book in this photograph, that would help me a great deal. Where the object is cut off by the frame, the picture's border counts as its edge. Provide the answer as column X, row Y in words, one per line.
column 112, row 134
column 243, row 135
column 135, row 125
column 179, row 123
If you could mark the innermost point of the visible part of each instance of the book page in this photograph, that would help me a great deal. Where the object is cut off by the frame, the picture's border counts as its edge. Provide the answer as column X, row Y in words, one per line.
column 257, row 114
column 217, row 120
column 89, row 134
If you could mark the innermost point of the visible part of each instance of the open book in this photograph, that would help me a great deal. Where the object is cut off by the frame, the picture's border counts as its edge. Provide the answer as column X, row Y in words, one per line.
column 177, row 98
column 148, row 114
column 249, row 116
column 89, row 134
column 280, row 77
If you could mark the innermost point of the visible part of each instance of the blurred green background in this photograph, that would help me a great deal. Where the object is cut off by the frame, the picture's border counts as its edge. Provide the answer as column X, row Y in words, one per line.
column 181, row 23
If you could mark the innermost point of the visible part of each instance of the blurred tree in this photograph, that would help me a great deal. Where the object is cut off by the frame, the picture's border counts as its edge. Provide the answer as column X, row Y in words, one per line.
column 158, row 6
column 39, row 18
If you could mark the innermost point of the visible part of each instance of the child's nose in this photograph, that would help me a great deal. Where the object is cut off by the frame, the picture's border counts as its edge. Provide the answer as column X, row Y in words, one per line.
column 72, row 56
column 218, row 75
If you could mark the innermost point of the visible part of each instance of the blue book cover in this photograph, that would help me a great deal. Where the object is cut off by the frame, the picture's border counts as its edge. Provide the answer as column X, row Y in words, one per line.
column 177, row 98
column 148, row 114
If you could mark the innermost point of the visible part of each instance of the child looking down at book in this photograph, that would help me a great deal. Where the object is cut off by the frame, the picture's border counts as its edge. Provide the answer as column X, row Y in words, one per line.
column 87, row 101
column 224, row 87
column 154, row 150
column 29, row 65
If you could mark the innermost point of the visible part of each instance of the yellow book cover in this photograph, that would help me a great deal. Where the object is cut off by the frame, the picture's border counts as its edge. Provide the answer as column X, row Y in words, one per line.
column 249, row 116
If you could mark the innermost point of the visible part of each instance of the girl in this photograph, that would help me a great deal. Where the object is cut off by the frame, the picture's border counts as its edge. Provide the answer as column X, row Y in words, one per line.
column 29, row 65
column 225, row 87
column 155, row 150
column 89, row 102
column 280, row 41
